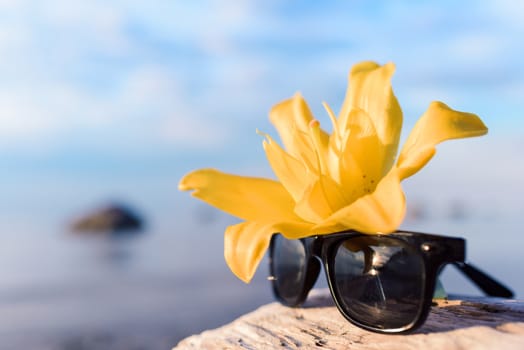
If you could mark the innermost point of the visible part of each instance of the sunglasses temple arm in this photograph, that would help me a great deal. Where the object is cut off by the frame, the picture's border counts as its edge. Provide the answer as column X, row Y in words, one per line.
column 488, row 285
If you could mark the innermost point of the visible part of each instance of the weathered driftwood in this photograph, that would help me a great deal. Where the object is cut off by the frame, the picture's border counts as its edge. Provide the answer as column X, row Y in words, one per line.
column 453, row 324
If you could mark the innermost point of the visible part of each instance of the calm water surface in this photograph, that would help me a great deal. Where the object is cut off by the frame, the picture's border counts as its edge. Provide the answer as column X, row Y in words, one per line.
column 63, row 291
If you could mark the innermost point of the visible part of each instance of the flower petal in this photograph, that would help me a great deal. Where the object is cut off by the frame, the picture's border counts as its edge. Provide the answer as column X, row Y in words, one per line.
column 362, row 157
column 320, row 199
column 370, row 90
column 379, row 212
column 291, row 118
column 439, row 123
column 246, row 243
column 249, row 198
column 244, row 247
column 290, row 171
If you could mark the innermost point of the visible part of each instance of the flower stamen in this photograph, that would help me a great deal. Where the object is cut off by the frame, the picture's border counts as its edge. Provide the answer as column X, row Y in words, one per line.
column 314, row 133
column 314, row 127
column 333, row 118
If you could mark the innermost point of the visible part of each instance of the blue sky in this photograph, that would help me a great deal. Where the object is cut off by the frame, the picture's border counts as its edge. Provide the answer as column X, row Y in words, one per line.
column 103, row 98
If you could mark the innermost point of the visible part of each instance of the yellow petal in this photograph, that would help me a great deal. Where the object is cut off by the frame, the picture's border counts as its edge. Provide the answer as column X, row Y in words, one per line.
column 379, row 212
column 370, row 90
column 291, row 113
column 439, row 123
column 244, row 246
column 321, row 199
column 249, row 198
column 290, row 171
column 362, row 157
column 291, row 119
column 246, row 243
column 357, row 73
column 294, row 229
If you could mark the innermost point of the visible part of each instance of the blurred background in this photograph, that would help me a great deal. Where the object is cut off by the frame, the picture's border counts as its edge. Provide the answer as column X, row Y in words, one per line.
column 110, row 103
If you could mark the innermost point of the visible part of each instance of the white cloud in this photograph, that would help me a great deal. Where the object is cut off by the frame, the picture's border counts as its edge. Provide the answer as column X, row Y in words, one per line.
column 83, row 67
column 415, row 98
column 506, row 13
column 61, row 78
column 152, row 95
column 148, row 105
column 28, row 112
column 475, row 47
column 198, row 133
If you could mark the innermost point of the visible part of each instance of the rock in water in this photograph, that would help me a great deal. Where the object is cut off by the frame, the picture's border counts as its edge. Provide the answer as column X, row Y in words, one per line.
column 113, row 218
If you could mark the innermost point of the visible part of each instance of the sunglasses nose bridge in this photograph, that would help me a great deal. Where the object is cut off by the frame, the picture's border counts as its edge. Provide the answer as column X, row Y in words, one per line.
column 316, row 245
column 312, row 272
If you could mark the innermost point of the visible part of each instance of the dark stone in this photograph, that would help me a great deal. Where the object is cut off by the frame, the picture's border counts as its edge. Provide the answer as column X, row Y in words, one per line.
column 114, row 218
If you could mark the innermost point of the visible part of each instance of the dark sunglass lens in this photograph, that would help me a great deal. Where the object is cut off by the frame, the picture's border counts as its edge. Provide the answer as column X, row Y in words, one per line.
column 379, row 281
column 288, row 268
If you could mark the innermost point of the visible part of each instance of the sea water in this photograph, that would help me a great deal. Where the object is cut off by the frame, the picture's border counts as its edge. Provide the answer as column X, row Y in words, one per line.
column 61, row 290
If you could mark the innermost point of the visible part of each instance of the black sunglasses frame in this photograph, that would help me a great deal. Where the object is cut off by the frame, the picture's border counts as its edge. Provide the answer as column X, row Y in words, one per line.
column 436, row 251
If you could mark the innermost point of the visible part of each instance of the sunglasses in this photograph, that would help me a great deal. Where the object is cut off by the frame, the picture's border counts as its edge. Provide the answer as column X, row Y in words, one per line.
column 382, row 283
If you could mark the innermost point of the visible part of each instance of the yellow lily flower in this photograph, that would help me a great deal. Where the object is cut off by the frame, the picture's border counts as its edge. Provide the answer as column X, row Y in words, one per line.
column 349, row 179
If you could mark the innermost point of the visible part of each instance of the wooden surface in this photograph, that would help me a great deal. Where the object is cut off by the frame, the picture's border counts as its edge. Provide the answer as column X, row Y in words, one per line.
column 454, row 324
